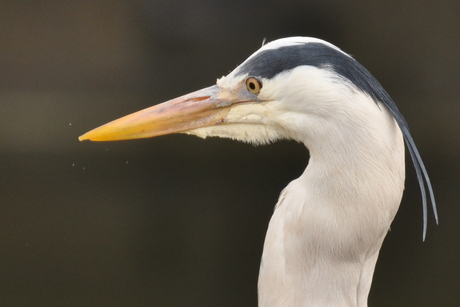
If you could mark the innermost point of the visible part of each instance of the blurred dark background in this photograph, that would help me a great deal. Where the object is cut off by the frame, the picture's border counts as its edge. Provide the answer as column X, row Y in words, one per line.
column 177, row 220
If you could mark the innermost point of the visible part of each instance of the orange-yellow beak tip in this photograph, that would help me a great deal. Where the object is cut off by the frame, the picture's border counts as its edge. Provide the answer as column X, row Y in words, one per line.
column 85, row 137
column 107, row 132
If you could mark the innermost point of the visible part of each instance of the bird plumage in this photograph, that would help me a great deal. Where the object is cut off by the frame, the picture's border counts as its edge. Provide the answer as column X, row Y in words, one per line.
column 326, row 231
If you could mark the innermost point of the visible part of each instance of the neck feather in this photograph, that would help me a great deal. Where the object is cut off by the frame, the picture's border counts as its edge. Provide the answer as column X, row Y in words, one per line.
column 329, row 224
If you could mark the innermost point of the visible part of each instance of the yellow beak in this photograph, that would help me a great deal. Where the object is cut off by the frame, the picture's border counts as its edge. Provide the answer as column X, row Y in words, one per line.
column 206, row 107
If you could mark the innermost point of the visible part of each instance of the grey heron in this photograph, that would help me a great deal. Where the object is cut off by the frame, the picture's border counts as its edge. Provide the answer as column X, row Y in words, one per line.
column 328, row 226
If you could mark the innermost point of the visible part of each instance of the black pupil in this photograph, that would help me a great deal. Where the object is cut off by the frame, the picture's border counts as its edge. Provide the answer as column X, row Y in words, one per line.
column 252, row 85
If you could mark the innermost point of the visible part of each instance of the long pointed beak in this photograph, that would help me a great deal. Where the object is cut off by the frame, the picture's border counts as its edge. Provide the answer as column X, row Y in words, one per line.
column 202, row 108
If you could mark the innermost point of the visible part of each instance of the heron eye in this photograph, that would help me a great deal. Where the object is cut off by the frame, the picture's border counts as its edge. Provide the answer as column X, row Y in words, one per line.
column 253, row 85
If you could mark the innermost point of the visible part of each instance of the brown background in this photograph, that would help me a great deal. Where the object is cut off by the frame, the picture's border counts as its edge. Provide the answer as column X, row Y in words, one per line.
column 180, row 221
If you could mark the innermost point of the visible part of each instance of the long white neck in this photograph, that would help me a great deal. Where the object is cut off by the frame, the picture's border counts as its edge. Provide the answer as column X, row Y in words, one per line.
column 324, row 237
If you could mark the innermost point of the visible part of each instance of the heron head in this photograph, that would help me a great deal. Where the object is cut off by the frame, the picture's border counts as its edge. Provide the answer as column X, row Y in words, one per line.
column 260, row 101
